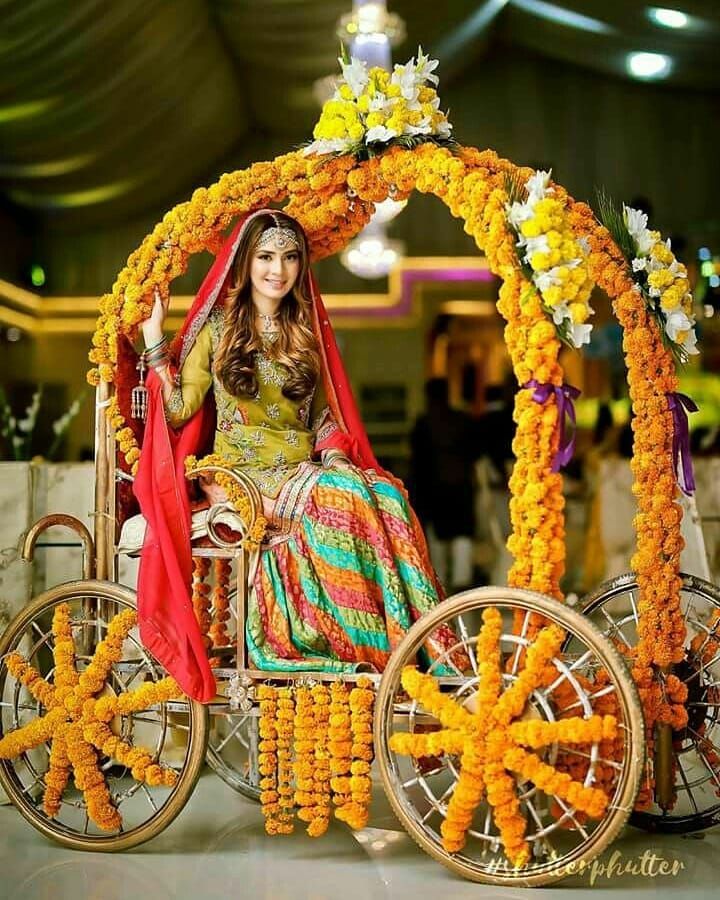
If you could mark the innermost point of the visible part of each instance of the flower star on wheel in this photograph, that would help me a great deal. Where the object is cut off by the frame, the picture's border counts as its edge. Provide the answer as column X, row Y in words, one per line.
column 491, row 743
column 77, row 720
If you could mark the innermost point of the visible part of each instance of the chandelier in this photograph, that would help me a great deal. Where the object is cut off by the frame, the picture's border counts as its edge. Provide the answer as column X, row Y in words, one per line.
column 371, row 31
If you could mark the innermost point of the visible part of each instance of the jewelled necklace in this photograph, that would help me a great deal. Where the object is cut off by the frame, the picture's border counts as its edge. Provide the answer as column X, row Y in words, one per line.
column 269, row 321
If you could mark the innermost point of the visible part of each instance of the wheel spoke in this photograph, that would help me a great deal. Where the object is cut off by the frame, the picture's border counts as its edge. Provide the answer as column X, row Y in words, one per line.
column 571, row 815
column 564, row 674
column 615, row 627
column 466, row 644
column 229, row 736
column 521, row 643
column 149, row 797
column 436, row 803
column 599, row 759
column 686, row 784
column 636, row 615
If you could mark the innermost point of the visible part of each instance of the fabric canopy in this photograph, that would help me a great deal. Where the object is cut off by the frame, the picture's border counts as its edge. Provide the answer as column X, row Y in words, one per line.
column 107, row 110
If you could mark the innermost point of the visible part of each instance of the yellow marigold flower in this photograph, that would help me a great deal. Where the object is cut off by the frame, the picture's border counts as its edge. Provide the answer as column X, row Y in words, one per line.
column 579, row 312
column 393, row 90
column 554, row 239
column 553, row 295
column 530, row 228
column 662, row 253
column 672, row 297
column 346, row 92
column 540, row 261
column 363, row 103
column 375, row 118
column 426, row 94
column 660, row 279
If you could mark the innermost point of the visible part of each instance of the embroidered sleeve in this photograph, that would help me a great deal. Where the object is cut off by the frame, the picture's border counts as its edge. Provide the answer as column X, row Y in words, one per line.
column 193, row 382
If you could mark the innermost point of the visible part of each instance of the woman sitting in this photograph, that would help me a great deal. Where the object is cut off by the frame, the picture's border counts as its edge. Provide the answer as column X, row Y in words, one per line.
column 344, row 571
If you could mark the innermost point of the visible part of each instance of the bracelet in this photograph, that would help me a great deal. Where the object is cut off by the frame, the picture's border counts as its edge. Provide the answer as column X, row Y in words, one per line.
column 162, row 340
column 329, row 456
column 157, row 356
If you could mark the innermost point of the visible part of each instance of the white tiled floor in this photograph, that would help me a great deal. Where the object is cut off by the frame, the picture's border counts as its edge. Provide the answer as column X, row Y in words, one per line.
column 217, row 848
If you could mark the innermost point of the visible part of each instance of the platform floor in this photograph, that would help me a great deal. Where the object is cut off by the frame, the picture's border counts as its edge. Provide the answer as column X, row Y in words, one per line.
column 217, row 848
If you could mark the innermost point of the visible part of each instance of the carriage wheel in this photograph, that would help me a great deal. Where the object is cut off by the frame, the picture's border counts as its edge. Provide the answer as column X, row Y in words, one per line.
column 162, row 742
column 558, row 840
column 232, row 751
column 613, row 607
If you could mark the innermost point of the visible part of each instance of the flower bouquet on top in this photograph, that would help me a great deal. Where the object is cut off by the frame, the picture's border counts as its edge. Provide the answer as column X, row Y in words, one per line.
column 659, row 276
column 552, row 257
column 373, row 109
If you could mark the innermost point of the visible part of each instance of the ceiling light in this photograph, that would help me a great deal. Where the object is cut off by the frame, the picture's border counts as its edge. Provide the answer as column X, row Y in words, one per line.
column 561, row 15
column 648, row 65
column 372, row 256
column 668, row 18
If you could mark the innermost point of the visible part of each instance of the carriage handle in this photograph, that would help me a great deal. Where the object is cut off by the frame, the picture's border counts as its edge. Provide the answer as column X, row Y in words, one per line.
column 74, row 524
column 251, row 492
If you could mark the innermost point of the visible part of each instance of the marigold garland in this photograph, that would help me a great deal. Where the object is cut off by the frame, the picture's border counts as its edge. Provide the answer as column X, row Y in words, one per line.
column 220, row 602
column 201, row 596
column 340, row 744
column 304, row 765
column 267, row 760
column 320, row 696
column 356, row 809
column 491, row 742
column 656, row 562
column 285, row 788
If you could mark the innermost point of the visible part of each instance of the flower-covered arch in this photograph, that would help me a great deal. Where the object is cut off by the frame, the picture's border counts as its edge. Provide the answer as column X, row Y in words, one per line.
column 549, row 251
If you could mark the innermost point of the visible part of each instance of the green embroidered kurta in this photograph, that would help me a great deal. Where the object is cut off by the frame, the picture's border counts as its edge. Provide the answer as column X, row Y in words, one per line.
column 268, row 435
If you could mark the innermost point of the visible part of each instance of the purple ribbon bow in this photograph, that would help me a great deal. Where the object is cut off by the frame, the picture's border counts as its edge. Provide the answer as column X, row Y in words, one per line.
column 678, row 404
column 564, row 397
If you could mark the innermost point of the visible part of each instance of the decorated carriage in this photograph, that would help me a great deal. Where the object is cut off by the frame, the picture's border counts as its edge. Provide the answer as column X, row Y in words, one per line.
column 517, row 754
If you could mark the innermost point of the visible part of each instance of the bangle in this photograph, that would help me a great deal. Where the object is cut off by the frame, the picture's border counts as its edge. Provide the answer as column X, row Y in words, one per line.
column 158, row 356
column 328, row 457
column 154, row 346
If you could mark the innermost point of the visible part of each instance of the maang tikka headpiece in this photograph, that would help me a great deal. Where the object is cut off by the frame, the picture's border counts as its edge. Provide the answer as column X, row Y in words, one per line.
column 279, row 236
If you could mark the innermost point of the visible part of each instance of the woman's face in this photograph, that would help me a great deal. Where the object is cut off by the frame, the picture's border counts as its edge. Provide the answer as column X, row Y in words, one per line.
column 274, row 271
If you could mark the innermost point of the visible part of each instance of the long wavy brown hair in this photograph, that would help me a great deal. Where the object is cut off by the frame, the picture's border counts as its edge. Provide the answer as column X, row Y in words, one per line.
column 296, row 347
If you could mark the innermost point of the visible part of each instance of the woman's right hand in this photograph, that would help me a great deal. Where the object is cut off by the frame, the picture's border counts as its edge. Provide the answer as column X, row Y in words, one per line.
column 152, row 327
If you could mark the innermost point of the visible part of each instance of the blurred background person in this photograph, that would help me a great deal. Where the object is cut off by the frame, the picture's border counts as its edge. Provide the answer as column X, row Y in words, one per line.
column 444, row 446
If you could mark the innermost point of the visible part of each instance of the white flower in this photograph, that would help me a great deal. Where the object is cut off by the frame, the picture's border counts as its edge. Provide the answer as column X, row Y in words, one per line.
column 355, row 74
column 380, row 133
column 537, row 185
column 380, row 103
column 639, row 265
column 584, row 245
column 561, row 312
column 443, row 129
column 423, row 127
column 404, row 78
column 333, row 145
column 636, row 221
column 580, row 334
column 550, row 277
column 532, row 245
column 25, row 425
column 690, row 343
column 425, row 66
column 518, row 213
column 17, row 441
column 675, row 322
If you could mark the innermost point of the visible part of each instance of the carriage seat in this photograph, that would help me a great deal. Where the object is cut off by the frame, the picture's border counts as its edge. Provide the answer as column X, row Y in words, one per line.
column 132, row 534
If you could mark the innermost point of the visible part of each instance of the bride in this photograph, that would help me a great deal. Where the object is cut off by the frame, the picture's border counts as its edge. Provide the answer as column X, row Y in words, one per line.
column 344, row 570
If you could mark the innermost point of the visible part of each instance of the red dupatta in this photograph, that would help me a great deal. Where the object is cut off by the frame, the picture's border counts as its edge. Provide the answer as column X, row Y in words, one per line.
column 168, row 627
